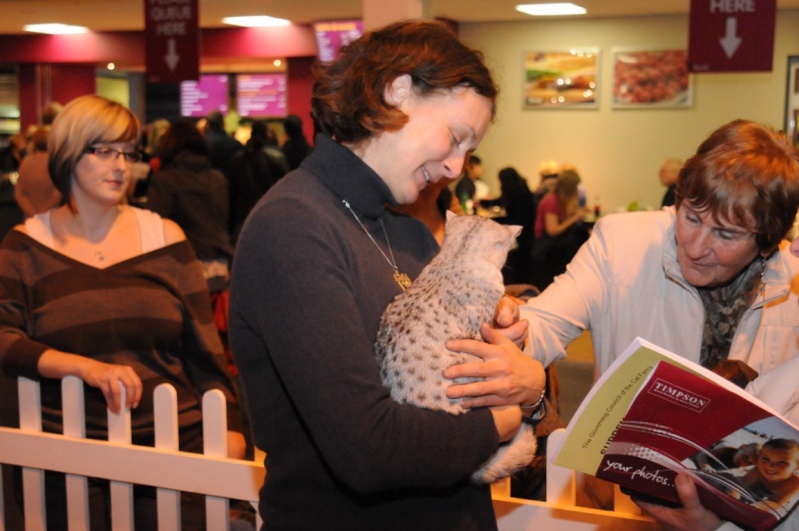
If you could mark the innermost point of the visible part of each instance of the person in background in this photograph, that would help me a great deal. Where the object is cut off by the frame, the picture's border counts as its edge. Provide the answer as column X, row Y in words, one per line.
column 50, row 112
column 669, row 172
column 221, row 145
column 432, row 205
column 296, row 147
column 314, row 272
column 11, row 156
column 465, row 188
column 548, row 172
column 558, row 229
column 113, row 295
column 35, row 192
column 706, row 279
column 272, row 148
column 520, row 207
column 252, row 172
column 192, row 193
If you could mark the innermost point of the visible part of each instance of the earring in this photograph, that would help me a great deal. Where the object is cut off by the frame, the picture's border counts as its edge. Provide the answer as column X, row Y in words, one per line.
column 763, row 276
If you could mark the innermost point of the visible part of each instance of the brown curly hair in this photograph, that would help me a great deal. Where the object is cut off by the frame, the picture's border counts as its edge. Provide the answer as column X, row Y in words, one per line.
column 348, row 95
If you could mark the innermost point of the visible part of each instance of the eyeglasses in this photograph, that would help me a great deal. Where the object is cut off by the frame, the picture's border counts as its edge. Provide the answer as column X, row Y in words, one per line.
column 107, row 153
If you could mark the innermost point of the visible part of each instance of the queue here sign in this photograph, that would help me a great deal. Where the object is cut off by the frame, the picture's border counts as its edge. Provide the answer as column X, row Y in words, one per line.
column 731, row 35
column 172, row 35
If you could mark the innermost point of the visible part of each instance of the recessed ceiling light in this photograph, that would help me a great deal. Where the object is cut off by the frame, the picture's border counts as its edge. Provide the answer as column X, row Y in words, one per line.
column 55, row 29
column 256, row 21
column 543, row 10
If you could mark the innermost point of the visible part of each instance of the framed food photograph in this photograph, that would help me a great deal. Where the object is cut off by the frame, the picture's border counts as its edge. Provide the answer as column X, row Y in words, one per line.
column 792, row 99
column 562, row 79
column 651, row 78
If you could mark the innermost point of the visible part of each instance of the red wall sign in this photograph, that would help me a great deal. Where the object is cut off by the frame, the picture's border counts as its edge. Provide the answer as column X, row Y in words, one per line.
column 173, row 40
column 731, row 35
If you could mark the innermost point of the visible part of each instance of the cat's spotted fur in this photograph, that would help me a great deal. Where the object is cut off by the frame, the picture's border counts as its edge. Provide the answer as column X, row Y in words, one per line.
column 457, row 292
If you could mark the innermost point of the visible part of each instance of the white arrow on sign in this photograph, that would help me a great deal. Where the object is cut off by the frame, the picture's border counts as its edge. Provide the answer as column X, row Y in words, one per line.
column 730, row 41
column 171, row 56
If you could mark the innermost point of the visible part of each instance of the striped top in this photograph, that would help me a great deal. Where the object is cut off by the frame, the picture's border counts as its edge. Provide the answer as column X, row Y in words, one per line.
column 151, row 312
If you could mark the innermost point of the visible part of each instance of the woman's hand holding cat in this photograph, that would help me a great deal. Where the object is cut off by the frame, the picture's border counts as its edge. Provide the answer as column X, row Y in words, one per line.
column 506, row 375
column 507, row 323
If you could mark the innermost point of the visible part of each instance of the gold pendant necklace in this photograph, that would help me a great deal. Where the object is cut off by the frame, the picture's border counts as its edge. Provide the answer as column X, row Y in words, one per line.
column 403, row 280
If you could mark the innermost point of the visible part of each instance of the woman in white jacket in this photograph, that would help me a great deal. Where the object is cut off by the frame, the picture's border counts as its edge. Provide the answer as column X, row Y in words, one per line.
column 780, row 390
column 707, row 279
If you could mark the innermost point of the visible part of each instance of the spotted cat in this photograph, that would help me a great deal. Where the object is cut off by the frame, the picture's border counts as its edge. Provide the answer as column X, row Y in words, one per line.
column 457, row 292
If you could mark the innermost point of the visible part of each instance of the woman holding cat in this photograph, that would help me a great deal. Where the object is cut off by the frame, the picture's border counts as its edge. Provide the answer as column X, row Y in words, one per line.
column 319, row 260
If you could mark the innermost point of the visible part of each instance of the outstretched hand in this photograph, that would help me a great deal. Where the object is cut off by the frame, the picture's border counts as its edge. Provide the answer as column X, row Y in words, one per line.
column 692, row 516
column 505, row 374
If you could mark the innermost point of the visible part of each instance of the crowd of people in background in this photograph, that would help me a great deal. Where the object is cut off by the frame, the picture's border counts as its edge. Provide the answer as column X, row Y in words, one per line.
column 212, row 187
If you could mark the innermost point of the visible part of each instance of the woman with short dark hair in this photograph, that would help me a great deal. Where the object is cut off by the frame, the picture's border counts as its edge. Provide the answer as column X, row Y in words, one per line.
column 711, row 280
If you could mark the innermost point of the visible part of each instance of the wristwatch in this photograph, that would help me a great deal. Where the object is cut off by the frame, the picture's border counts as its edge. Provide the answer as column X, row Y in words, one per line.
column 537, row 411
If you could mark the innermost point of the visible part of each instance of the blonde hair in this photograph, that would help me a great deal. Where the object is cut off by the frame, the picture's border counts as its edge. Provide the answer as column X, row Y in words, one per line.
column 84, row 122
column 566, row 188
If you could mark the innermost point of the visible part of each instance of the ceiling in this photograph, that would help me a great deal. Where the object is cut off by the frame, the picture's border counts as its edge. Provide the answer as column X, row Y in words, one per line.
column 121, row 15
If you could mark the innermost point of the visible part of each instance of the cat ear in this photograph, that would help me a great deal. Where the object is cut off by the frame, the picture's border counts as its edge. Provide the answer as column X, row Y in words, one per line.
column 451, row 214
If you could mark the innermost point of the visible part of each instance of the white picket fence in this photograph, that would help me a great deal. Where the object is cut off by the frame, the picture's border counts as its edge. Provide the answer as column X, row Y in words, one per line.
column 212, row 474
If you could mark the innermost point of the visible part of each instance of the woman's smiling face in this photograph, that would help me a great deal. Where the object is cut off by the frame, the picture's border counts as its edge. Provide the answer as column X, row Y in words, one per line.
column 102, row 180
column 711, row 253
column 442, row 130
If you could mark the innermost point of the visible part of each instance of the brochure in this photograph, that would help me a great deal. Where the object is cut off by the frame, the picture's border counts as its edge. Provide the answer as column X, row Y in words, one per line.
column 653, row 414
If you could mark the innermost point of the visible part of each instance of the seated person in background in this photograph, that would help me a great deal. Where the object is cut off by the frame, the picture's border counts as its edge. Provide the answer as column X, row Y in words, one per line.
column 548, row 172
column 34, row 191
column 520, row 209
column 669, row 172
column 706, row 279
column 113, row 295
column 558, row 233
column 431, row 207
column 465, row 188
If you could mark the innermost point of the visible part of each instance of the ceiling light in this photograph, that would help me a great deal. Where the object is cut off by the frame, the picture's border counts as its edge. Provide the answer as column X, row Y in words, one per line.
column 256, row 21
column 55, row 29
column 544, row 10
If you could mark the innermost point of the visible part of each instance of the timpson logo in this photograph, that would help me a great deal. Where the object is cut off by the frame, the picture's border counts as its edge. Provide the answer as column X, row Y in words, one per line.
column 678, row 395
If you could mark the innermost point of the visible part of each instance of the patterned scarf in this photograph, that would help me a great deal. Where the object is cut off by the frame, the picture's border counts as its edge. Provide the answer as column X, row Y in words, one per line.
column 724, row 307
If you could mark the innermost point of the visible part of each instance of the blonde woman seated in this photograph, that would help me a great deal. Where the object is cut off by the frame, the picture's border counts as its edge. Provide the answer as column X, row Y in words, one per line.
column 113, row 295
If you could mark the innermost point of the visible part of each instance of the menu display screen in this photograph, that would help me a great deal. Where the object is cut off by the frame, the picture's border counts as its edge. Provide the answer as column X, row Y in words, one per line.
column 261, row 95
column 210, row 93
column 332, row 35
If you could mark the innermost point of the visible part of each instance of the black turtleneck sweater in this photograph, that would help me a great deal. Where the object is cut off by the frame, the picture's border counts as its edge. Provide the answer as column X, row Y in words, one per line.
column 308, row 289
